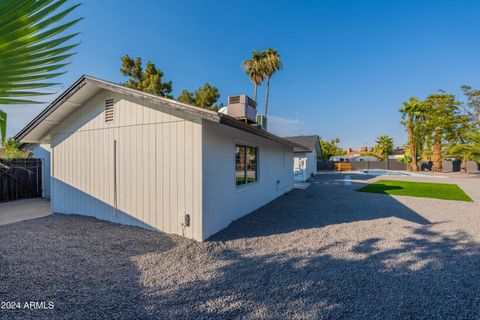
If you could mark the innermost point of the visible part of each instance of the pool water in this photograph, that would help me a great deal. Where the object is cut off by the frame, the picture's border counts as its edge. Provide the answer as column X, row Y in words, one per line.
column 384, row 173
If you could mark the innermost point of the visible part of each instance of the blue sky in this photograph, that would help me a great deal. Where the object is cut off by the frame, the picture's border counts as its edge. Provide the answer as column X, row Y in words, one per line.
column 348, row 65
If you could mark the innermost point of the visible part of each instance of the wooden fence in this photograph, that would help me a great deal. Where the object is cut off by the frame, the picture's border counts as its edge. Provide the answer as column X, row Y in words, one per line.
column 20, row 179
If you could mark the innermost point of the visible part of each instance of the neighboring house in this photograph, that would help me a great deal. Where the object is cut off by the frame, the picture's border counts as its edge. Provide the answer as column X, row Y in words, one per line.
column 398, row 154
column 363, row 158
column 339, row 159
column 129, row 157
column 355, row 153
column 305, row 159
column 364, row 154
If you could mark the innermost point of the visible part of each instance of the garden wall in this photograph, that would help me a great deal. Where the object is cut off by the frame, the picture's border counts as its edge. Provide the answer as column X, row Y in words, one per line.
column 365, row 165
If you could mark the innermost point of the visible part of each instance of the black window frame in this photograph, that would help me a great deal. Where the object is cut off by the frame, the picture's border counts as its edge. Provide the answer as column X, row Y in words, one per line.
column 244, row 179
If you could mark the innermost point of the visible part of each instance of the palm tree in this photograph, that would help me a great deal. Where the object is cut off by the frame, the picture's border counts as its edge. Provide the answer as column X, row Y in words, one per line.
column 467, row 151
column 30, row 49
column 383, row 147
column 254, row 68
column 411, row 112
column 272, row 64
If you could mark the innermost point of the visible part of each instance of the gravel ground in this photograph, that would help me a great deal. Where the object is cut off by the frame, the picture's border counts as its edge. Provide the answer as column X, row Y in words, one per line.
column 327, row 252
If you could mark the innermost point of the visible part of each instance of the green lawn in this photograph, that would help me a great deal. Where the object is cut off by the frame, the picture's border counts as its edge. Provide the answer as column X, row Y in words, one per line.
column 418, row 189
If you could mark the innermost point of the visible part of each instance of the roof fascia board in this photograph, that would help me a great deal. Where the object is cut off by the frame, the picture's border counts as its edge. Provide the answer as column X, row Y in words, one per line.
column 206, row 114
column 51, row 108
column 203, row 113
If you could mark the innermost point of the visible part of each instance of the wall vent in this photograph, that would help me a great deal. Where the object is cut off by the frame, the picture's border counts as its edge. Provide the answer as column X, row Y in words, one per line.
column 234, row 99
column 109, row 103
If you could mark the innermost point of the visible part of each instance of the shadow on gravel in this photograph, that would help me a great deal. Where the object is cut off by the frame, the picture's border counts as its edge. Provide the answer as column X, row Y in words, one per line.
column 318, row 206
column 426, row 276
column 98, row 270
column 81, row 264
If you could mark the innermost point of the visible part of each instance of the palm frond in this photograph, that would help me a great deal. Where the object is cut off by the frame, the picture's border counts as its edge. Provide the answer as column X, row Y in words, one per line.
column 3, row 126
column 30, row 49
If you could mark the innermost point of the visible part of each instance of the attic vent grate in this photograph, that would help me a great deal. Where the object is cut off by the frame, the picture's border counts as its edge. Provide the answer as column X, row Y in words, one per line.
column 109, row 103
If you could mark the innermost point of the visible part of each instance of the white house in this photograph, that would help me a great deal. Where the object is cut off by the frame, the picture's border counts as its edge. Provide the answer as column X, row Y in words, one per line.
column 305, row 156
column 134, row 158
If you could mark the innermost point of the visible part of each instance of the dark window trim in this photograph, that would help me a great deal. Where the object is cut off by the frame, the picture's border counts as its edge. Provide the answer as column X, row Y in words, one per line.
column 246, row 146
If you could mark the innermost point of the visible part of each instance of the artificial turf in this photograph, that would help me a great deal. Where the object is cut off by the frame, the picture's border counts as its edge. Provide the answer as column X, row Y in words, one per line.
column 417, row 189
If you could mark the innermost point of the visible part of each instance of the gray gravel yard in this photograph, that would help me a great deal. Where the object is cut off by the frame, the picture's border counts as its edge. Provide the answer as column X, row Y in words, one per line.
column 327, row 252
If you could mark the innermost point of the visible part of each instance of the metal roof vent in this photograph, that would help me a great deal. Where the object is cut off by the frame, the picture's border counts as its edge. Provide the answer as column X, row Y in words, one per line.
column 243, row 108
column 261, row 121
column 109, row 111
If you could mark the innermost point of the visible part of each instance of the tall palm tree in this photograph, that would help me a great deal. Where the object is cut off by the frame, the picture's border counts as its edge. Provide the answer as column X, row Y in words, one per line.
column 467, row 151
column 31, row 50
column 272, row 64
column 254, row 69
column 412, row 111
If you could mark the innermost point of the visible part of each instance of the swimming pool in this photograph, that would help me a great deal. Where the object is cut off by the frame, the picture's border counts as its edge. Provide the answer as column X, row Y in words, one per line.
column 384, row 173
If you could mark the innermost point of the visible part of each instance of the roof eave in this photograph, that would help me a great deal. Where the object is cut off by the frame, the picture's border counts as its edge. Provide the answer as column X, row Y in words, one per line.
column 201, row 112
column 51, row 108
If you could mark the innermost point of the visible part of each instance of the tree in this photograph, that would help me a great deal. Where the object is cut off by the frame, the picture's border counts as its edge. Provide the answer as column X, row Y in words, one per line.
column 147, row 80
column 472, row 105
column 383, row 147
column 11, row 150
column 411, row 116
column 442, row 120
column 3, row 127
column 331, row 148
column 186, row 97
column 467, row 151
column 254, row 69
column 272, row 64
column 205, row 97
column 31, row 50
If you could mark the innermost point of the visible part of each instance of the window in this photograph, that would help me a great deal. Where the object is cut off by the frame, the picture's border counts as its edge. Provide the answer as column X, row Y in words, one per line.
column 245, row 164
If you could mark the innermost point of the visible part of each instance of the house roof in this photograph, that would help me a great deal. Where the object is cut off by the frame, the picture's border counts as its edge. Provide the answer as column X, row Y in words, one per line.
column 399, row 151
column 87, row 86
column 309, row 143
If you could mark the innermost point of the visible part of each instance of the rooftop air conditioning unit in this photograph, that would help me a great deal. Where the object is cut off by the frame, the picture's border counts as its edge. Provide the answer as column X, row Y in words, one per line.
column 261, row 121
column 242, row 108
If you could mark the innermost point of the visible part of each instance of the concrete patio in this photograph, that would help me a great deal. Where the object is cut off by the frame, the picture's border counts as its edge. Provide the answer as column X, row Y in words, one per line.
column 19, row 210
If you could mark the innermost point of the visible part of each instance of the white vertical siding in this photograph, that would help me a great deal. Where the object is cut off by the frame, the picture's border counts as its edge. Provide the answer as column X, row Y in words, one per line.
column 158, row 165
column 223, row 201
